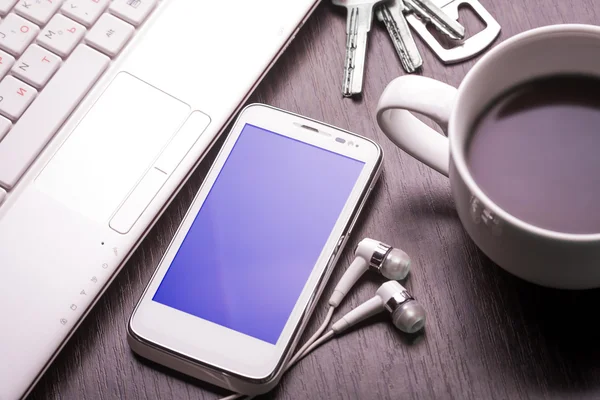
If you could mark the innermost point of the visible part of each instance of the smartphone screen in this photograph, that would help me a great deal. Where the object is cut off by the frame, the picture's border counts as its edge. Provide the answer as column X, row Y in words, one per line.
column 252, row 246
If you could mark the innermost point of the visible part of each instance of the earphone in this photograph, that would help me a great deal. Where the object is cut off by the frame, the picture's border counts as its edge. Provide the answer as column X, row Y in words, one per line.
column 387, row 261
column 407, row 314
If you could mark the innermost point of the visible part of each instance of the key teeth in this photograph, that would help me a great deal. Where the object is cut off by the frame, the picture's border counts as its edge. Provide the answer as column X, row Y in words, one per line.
column 447, row 32
column 446, row 24
column 402, row 39
column 409, row 67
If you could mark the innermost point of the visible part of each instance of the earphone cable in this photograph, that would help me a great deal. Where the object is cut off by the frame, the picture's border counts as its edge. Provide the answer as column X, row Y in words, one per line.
column 300, row 353
column 313, row 338
column 235, row 397
column 299, row 356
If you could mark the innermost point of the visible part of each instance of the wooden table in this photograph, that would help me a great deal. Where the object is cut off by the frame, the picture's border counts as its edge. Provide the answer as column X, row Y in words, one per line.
column 489, row 334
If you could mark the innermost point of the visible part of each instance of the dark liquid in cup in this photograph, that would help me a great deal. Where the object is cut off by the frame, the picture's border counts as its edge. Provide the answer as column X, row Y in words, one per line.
column 536, row 153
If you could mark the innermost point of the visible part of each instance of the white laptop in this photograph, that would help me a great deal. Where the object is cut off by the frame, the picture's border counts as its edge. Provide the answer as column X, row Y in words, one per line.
column 105, row 109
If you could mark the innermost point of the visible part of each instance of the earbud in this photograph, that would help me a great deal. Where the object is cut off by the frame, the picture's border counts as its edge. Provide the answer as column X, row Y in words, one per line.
column 390, row 262
column 407, row 314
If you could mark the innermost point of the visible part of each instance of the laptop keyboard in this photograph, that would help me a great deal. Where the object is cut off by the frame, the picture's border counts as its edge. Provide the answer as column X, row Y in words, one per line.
column 51, row 55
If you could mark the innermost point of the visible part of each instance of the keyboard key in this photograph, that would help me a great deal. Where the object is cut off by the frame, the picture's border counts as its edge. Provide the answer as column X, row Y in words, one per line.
column 37, row 11
column 53, row 106
column 61, row 35
column 5, row 126
column 15, row 97
column 36, row 66
column 132, row 11
column 109, row 35
column 6, row 6
column 85, row 12
column 16, row 33
column 6, row 63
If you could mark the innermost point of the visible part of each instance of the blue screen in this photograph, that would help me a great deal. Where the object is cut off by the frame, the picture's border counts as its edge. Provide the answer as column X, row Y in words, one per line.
column 254, row 242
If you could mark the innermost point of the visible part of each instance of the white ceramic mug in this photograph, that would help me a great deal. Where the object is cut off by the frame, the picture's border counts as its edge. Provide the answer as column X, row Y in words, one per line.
column 548, row 258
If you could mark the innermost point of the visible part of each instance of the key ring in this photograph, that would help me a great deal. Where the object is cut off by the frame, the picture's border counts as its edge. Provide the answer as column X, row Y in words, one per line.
column 468, row 48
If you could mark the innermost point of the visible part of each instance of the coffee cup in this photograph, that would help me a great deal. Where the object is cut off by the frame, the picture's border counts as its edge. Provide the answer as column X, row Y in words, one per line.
column 548, row 257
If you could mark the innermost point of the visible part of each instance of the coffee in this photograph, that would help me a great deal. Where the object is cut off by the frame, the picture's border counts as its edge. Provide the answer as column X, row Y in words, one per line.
column 535, row 152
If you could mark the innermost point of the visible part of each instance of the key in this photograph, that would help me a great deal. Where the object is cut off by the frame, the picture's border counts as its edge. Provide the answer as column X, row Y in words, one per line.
column 358, row 25
column 48, row 112
column 38, row 12
column 467, row 48
column 36, row 66
column 5, row 126
column 6, row 6
column 429, row 12
column 109, row 35
column 132, row 11
column 6, row 63
column 392, row 15
column 61, row 35
column 15, row 97
column 86, row 12
column 16, row 33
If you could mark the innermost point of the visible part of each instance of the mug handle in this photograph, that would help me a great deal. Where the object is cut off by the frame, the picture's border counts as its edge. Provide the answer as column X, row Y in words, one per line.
column 434, row 99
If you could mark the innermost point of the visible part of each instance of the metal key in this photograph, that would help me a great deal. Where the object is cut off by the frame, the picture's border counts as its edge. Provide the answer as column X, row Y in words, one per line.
column 358, row 25
column 465, row 49
column 429, row 12
column 392, row 15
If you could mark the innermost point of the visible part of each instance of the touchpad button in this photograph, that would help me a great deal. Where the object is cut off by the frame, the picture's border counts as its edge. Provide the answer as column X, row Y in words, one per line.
column 112, row 147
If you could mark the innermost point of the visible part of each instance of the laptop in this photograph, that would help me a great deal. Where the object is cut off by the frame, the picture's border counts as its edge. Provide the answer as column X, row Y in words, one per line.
column 105, row 109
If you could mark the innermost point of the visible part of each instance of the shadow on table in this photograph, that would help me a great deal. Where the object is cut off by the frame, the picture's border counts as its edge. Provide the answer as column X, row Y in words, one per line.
column 558, row 328
column 527, row 336
column 545, row 340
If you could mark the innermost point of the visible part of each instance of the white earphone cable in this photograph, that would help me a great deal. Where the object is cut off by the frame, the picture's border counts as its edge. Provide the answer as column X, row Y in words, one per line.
column 233, row 397
column 304, row 350
column 313, row 338
column 393, row 264
column 299, row 356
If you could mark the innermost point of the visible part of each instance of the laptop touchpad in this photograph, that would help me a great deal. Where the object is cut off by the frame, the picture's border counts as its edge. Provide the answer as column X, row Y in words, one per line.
column 111, row 148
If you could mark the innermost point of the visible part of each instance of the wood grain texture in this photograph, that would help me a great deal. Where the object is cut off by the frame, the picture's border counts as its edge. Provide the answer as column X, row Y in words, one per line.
column 489, row 334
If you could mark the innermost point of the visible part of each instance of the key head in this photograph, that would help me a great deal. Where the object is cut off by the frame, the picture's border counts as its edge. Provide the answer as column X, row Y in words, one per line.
column 365, row 8
column 356, row 3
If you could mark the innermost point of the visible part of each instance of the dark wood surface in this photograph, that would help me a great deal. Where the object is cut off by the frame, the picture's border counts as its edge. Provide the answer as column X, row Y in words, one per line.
column 489, row 334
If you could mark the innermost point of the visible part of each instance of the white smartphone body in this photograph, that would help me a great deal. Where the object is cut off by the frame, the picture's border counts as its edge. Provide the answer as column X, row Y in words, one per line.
column 240, row 279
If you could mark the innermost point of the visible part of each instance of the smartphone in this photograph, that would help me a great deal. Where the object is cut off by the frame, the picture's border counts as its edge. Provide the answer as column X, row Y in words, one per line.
column 239, row 281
